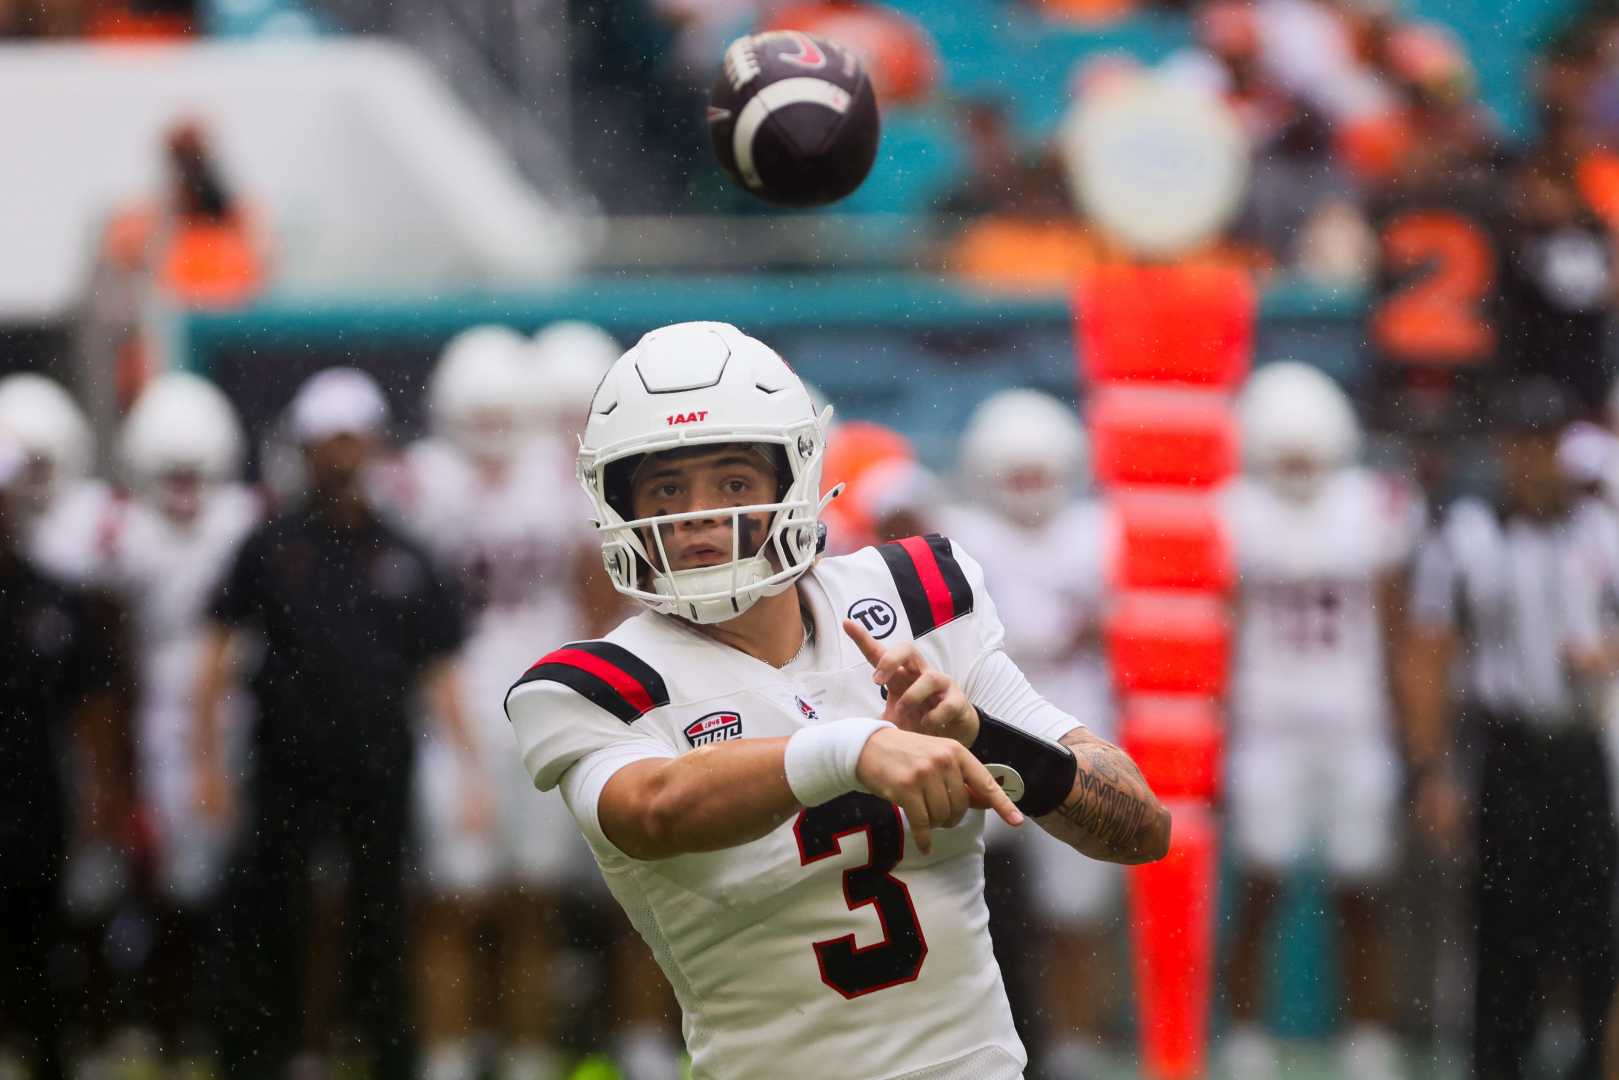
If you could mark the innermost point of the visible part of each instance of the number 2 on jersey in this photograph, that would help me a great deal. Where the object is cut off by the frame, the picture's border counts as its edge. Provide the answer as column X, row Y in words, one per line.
column 1438, row 317
column 849, row 969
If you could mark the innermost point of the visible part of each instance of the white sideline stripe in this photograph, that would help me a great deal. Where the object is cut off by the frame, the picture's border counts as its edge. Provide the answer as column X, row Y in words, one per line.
column 801, row 90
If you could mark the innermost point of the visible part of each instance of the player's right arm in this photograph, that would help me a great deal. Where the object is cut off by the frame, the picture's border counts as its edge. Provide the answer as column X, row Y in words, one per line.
column 634, row 791
column 730, row 793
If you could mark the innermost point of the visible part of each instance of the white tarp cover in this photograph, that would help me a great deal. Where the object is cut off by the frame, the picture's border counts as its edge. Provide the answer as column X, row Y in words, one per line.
column 369, row 175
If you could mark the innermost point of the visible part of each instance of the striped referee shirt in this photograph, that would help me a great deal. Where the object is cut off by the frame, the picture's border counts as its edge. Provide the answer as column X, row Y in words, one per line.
column 1522, row 592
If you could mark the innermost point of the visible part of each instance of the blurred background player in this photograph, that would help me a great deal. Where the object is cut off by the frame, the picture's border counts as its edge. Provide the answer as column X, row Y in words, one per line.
column 181, row 453
column 60, row 702
column 566, row 361
column 1023, row 466
column 65, row 507
column 1314, row 766
column 489, row 501
column 354, row 620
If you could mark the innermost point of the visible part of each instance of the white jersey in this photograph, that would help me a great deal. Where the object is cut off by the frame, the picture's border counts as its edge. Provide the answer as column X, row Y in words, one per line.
column 513, row 543
column 167, row 573
column 830, row 947
column 71, row 539
column 1049, row 583
column 1309, row 641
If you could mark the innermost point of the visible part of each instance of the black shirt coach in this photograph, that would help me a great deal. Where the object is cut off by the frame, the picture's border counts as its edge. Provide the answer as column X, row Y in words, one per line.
column 60, row 661
column 352, row 616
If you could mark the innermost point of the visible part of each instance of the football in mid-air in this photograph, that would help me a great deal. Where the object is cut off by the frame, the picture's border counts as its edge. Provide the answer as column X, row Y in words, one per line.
column 793, row 118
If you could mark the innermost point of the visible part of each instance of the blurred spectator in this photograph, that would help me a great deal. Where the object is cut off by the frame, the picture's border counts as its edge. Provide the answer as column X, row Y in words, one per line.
column 197, row 241
column 195, row 244
column 353, row 620
column 1033, row 239
column 993, row 160
column 1436, row 127
column 898, row 52
column 1513, row 596
column 1303, row 209
column 1558, row 286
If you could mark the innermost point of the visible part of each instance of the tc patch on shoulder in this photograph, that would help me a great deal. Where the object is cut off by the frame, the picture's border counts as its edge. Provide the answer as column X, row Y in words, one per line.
column 715, row 727
column 876, row 615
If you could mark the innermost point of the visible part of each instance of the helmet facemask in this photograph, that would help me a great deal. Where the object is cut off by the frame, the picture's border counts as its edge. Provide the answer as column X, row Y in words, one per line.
column 634, row 550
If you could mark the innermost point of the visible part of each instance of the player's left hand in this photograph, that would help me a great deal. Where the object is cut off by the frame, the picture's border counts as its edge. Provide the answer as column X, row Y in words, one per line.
column 920, row 698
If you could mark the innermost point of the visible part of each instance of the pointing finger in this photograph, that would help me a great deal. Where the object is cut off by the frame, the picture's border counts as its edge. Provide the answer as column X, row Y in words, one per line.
column 983, row 785
column 863, row 640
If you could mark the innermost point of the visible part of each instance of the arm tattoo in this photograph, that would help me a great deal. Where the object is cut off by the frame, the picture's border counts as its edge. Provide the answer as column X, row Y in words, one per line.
column 1111, row 813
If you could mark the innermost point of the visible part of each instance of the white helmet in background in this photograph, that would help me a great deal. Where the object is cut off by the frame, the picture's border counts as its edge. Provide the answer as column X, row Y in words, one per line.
column 41, row 417
column 693, row 385
column 474, row 399
column 570, row 359
column 1024, row 453
column 1297, row 427
column 181, row 423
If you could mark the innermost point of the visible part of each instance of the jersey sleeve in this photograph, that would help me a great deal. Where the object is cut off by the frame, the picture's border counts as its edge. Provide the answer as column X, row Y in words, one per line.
column 954, row 619
column 943, row 599
column 1000, row 688
column 583, row 698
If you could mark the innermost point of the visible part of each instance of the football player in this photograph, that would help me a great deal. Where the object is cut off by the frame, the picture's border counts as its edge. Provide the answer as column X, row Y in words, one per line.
column 565, row 363
column 1023, row 462
column 181, row 453
column 65, row 508
column 780, row 766
column 1313, row 765
column 488, row 503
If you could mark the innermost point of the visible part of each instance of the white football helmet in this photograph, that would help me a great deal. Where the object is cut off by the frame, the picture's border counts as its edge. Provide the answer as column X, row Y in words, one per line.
column 182, row 428
column 474, row 398
column 1024, row 453
column 1297, row 427
column 704, row 384
column 569, row 360
column 40, row 415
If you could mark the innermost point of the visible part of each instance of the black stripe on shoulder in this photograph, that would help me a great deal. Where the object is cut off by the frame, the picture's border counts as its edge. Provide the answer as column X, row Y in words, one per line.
column 585, row 685
column 961, row 592
column 558, row 668
column 631, row 665
column 914, row 598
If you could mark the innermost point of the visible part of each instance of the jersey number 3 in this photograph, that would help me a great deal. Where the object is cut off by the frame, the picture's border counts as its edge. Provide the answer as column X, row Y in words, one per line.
column 849, row 969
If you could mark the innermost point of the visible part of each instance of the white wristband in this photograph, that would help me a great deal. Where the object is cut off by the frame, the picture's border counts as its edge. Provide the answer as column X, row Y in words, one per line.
column 821, row 760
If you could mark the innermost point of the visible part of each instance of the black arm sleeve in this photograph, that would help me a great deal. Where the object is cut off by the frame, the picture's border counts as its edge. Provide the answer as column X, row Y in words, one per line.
column 1047, row 769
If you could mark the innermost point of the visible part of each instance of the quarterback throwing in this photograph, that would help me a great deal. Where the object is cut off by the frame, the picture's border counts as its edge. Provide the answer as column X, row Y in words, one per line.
column 782, row 766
